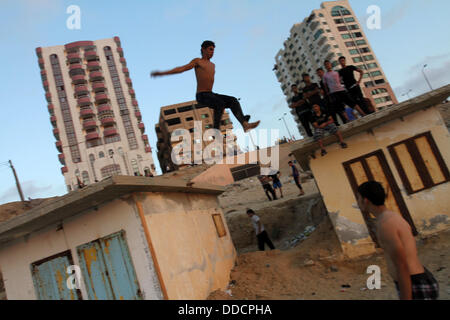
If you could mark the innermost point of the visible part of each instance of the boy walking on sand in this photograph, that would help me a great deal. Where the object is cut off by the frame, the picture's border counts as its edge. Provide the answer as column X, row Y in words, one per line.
column 296, row 176
column 261, row 233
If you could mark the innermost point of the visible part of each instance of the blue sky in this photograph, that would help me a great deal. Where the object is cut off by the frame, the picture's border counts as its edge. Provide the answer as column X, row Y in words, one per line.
column 165, row 34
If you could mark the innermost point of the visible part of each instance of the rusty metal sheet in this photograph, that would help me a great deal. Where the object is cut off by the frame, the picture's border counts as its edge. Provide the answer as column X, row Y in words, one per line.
column 107, row 269
column 50, row 278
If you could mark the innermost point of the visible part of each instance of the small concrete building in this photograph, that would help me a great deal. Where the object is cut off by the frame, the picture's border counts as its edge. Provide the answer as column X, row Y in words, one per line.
column 126, row 237
column 405, row 147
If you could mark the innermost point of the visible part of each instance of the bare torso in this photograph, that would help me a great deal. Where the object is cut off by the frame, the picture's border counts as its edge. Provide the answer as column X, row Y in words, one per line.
column 204, row 71
column 407, row 239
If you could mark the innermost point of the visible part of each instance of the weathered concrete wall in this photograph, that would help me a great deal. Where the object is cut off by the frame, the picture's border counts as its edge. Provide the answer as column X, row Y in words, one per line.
column 111, row 217
column 429, row 209
column 193, row 260
column 218, row 174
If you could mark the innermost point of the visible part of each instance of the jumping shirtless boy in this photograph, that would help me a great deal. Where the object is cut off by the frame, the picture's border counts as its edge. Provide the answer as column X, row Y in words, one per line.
column 204, row 71
column 412, row 279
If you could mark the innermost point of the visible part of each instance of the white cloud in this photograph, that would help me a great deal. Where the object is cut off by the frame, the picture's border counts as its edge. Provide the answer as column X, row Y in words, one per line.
column 436, row 72
column 29, row 188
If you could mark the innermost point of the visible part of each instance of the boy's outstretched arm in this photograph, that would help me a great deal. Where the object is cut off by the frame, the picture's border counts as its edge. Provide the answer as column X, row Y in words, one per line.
column 181, row 69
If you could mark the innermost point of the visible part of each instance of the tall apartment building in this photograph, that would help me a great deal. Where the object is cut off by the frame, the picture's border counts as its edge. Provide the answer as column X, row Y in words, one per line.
column 328, row 33
column 182, row 116
column 93, row 110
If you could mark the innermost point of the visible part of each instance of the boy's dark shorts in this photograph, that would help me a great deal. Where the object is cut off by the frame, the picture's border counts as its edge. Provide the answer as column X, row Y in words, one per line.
column 424, row 286
column 319, row 133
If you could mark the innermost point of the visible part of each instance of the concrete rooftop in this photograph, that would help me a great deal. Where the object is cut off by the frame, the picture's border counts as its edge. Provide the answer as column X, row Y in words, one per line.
column 53, row 212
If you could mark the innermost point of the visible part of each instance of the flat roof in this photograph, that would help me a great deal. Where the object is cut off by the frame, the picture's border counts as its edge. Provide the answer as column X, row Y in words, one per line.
column 302, row 149
column 73, row 203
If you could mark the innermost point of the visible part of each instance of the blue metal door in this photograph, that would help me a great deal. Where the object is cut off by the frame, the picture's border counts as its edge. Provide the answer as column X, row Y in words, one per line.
column 107, row 269
column 50, row 278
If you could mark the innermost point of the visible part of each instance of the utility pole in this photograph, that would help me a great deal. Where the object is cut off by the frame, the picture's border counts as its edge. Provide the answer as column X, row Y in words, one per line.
column 19, row 189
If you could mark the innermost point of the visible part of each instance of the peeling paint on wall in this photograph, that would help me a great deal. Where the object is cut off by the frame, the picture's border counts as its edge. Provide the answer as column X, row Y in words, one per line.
column 434, row 222
column 347, row 230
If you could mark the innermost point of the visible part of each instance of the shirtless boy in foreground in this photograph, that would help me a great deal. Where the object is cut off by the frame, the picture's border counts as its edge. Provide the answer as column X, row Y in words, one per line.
column 204, row 71
column 413, row 281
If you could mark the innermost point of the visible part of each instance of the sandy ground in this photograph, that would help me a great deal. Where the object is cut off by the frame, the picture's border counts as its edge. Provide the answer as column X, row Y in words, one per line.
column 315, row 270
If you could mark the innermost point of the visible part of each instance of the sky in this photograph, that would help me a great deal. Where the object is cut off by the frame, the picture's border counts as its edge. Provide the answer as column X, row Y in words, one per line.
column 159, row 35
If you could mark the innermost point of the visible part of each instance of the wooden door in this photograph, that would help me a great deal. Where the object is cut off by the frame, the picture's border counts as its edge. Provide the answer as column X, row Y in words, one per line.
column 374, row 167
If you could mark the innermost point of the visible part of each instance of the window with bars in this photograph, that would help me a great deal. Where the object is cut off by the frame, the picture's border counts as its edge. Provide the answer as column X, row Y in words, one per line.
column 65, row 110
column 419, row 163
column 110, row 170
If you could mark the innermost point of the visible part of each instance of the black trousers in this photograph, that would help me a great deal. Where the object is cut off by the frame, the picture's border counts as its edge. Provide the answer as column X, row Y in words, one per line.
column 268, row 188
column 357, row 95
column 218, row 102
column 305, row 120
column 297, row 182
column 336, row 108
column 263, row 238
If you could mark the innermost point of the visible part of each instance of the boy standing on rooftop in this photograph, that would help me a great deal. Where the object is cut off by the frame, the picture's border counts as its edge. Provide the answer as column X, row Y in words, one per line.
column 204, row 71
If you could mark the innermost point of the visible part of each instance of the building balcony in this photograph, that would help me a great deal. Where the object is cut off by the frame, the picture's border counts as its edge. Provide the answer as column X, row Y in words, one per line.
column 64, row 170
column 53, row 120
column 51, row 109
column 108, row 121
column 138, row 115
column 141, row 126
column 90, row 55
column 45, row 84
column 75, row 45
column 85, row 101
column 41, row 63
column 125, row 71
column 43, row 73
column 148, row 149
column 48, row 96
column 58, row 145
column 75, row 67
column 78, row 79
column 101, row 97
column 110, row 132
column 97, row 86
column 56, row 133
column 123, row 61
column 62, row 158
column 96, row 75
column 128, row 81
column 135, row 103
column 81, row 90
column 92, row 136
column 103, row 108
column 120, row 51
column 93, row 65
column 88, row 112
column 89, row 124
column 145, row 137
column 117, row 41
column 73, row 57
column 132, row 93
